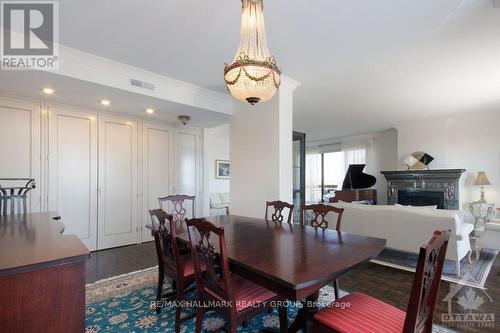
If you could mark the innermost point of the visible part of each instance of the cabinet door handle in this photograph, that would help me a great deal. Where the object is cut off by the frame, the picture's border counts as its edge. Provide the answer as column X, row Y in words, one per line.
column 99, row 192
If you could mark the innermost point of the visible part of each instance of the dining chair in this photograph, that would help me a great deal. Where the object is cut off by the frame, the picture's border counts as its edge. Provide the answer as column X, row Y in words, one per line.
column 13, row 195
column 174, row 204
column 171, row 262
column 319, row 219
column 219, row 287
column 277, row 214
column 368, row 314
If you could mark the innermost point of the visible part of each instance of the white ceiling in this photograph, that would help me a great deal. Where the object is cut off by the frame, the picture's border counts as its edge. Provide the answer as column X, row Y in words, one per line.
column 88, row 95
column 364, row 65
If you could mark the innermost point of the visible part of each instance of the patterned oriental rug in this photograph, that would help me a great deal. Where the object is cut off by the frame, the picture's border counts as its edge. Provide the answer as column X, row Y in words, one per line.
column 123, row 304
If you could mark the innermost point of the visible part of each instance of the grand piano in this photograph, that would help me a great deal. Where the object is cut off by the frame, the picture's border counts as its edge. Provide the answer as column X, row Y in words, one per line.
column 356, row 186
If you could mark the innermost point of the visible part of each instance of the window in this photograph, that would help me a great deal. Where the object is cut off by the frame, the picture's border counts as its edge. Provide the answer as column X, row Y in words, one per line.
column 325, row 172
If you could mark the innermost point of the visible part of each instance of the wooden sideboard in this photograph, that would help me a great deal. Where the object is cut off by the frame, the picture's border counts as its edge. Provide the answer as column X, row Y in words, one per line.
column 42, row 275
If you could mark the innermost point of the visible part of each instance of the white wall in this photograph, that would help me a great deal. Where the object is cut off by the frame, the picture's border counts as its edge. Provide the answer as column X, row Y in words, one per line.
column 216, row 147
column 470, row 142
column 428, row 136
column 261, row 152
column 384, row 158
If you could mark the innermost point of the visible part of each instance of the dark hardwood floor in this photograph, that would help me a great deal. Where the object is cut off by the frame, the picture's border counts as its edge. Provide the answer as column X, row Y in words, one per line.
column 388, row 284
column 120, row 260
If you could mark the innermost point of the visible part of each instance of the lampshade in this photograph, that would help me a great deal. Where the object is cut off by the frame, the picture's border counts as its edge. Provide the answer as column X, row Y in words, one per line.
column 481, row 179
column 253, row 76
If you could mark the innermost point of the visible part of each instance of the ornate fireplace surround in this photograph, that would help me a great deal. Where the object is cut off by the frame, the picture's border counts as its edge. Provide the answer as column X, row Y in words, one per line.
column 444, row 181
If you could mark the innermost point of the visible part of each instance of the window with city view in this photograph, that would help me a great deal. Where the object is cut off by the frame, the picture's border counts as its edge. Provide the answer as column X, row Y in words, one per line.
column 325, row 172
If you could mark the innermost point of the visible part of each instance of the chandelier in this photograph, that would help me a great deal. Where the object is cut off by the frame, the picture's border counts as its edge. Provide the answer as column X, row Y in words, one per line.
column 253, row 75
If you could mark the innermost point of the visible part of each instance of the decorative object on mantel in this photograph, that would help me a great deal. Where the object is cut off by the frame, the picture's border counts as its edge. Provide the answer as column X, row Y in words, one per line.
column 418, row 160
column 184, row 119
column 222, row 169
column 424, row 187
column 253, row 75
column 482, row 180
column 482, row 212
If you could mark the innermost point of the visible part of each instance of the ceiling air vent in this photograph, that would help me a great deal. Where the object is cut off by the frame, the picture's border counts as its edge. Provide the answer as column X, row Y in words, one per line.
column 142, row 84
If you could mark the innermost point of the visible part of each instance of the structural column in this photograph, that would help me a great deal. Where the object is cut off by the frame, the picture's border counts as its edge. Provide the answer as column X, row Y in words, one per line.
column 261, row 152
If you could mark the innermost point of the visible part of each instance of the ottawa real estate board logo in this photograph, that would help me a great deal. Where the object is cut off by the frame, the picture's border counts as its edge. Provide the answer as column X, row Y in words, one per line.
column 30, row 35
column 466, row 306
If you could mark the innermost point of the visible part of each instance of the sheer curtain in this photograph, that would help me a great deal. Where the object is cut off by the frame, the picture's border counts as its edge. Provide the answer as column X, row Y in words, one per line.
column 358, row 151
column 313, row 176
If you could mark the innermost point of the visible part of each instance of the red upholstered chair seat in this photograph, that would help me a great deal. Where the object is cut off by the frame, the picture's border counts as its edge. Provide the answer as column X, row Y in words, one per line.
column 189, row 266
column 246, row 293
column 364, row 314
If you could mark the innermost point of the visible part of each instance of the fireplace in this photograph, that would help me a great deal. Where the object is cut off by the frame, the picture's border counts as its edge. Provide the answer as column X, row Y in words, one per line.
column 421, row 198
column 424, row 187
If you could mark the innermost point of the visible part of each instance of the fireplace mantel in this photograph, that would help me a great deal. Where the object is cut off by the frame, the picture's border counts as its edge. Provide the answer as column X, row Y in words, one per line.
column 444, row 180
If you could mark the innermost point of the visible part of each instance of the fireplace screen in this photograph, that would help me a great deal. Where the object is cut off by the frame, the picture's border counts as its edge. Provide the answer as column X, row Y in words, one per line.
column 421, row 198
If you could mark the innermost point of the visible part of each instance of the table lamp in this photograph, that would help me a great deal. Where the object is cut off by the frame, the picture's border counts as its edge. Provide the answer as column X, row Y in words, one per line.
column 482, row 180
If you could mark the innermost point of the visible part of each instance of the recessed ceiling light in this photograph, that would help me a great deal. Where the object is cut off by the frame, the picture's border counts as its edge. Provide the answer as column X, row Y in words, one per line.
column 150, row 111
column 105, row 102
column 48, row 91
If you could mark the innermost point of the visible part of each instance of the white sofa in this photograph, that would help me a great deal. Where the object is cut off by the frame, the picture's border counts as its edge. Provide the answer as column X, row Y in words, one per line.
column 489, row 236
column 219, row 203
column 407, row 228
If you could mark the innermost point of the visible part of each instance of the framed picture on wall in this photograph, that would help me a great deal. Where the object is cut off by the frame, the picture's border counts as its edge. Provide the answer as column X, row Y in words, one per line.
column 222, row 169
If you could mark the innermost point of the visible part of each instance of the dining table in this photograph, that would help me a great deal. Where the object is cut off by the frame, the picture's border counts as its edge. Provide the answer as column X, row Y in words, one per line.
column 292, row 260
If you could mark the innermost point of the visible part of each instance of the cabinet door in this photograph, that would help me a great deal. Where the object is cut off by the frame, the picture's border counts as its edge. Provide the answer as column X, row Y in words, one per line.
column 73, row 172
column 157, row 169
column 20, row 145
column 187, row 173
column 117, row 182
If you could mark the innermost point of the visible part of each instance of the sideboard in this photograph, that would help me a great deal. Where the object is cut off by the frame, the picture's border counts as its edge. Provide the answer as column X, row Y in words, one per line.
column 42, row 275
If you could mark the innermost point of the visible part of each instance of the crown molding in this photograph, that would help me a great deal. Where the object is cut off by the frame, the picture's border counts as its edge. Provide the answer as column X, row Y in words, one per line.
column 88, row 67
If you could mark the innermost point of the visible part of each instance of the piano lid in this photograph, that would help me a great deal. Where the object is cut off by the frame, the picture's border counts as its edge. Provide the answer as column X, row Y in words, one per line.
column 356, row 179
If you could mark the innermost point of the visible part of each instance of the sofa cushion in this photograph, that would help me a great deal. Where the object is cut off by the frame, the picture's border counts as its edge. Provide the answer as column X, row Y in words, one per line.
column 433, row 207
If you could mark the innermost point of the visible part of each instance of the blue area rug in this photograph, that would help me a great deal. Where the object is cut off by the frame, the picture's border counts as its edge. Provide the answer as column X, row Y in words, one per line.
column 123, row 304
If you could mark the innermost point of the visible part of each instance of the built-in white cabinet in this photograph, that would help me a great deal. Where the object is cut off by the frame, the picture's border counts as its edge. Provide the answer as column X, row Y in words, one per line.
column 117, row 192
column 158, row 169
column 188, row 159
column 20, row 144
column 101, row 172
column 72, row 167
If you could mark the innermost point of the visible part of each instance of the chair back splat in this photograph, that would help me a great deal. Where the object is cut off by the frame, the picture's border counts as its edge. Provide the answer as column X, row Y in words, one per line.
column 209, row 247
column 174, row 204
column 164, row 232
column 426, row 284
column 277, row 214
column 319, row 215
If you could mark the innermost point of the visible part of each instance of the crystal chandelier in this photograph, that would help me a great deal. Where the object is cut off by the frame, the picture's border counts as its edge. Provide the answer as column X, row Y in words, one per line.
column 253, row 75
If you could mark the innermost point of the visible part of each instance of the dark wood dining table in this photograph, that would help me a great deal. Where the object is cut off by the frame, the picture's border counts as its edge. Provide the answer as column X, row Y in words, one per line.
column 291, row 260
